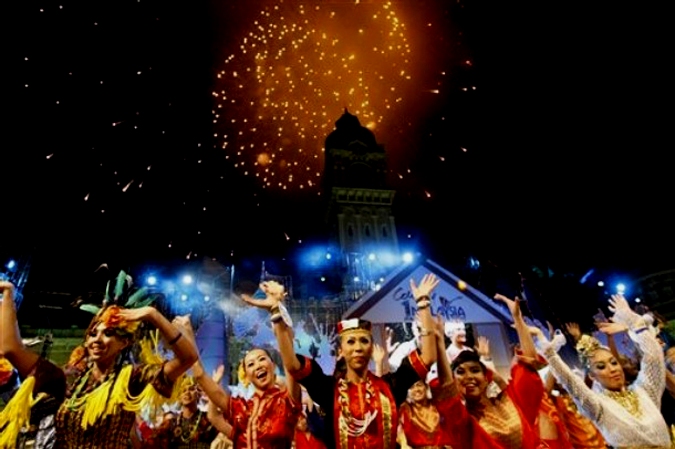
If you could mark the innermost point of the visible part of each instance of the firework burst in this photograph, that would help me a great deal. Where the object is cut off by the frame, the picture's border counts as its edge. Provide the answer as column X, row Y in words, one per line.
column 297, row 69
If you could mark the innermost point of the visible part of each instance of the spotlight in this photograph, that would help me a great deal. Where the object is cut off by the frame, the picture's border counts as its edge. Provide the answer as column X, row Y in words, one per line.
column 407, row 257
column 183, row 297
column 601, row 284
column 11, row 265
column 371, row 256
column 187, row 279
column 151, row 280
column 620, row 288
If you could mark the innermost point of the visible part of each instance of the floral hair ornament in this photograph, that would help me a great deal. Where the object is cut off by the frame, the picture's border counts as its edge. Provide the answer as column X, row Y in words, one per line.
column 109, row 313
column 586, row 347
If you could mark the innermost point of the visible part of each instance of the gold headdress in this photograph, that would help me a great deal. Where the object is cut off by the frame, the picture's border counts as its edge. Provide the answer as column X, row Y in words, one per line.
column 586, row 347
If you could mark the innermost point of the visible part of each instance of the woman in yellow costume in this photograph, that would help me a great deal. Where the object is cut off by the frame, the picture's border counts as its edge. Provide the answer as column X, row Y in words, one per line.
column 100, row 406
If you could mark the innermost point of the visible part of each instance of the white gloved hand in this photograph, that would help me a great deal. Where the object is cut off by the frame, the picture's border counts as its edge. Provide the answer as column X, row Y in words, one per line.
column 548, row 347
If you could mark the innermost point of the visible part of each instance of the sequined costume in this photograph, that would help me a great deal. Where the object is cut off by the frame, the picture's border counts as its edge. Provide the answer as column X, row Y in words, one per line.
column 508, row 423
column 266, row 421
column 630, row 418
column 363, row 415
column 421, row 425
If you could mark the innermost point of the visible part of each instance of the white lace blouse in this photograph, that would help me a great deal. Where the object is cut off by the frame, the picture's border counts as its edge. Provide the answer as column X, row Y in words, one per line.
column 618, row 426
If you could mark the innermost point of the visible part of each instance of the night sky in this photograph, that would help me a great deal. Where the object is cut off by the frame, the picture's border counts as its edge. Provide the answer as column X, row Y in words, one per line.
column 527, row 134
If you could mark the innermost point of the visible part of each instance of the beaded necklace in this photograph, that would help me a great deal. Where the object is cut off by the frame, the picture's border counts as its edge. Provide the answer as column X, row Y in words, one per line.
column 76, row 399
column 184, row 436
column 355, row 427
column 626, row 399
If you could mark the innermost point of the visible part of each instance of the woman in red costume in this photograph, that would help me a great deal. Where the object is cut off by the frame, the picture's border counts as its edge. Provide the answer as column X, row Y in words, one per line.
column 268, row 419
column 419, row 420
column 361, row 408
column 473, row 420
column 101, row 405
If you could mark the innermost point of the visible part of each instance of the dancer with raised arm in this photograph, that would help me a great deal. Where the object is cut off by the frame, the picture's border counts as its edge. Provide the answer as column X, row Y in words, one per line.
column 627, row 415
column 268, row 419
column 100, row 406
column 475, row 420
column 361, row 408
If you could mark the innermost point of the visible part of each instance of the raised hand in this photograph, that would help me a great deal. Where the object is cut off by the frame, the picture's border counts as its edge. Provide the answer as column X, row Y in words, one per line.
column 182, row 322
column 389, row 340
column 7, row 291
column 483, row 346
column 274, row 294
column 617, row 303
column 139, row 314
column 611, row 328
column 426, row 286
column 378, row 353
column 218, row 374
column 512, row 304
column 573, row 330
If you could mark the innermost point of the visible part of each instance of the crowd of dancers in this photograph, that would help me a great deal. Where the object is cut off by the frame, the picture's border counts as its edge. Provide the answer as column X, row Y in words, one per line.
column 121, row 391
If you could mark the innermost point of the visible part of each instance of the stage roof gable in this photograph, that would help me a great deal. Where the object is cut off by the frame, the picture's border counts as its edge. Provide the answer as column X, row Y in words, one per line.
column 452, row 299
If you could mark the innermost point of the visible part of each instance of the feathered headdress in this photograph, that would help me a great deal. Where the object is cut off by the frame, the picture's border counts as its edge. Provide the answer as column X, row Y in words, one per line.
column 123, row 292
column 109, row 313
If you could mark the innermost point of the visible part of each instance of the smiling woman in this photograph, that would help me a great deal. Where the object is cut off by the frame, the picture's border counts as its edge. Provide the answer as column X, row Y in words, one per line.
column 626, row 415
column 361, row 407
column 101, row 404
column 476, row 420
column 268, row 419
